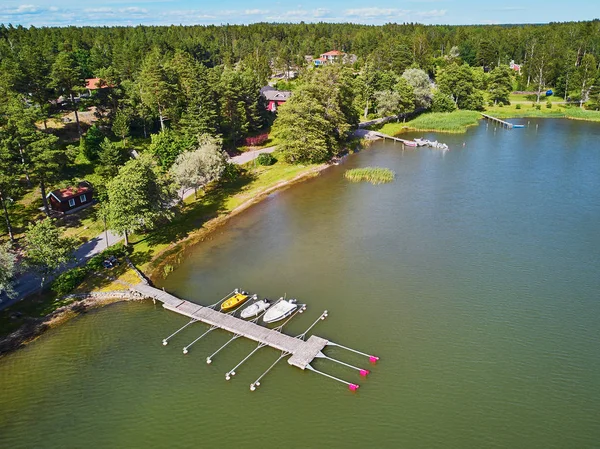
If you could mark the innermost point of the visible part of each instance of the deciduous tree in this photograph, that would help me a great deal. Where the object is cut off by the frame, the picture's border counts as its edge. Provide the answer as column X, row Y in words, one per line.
column 421, row 84
column 204, row 164
column 46, row 249
column 8, row 268
column 137, row 198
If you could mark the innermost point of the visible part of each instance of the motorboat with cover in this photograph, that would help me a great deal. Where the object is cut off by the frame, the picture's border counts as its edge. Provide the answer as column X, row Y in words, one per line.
column 280, row 310
column 255, row 309
column 237, row 299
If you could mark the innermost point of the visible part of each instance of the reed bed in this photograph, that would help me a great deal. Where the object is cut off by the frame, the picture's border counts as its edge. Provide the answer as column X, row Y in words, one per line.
column 374, row 175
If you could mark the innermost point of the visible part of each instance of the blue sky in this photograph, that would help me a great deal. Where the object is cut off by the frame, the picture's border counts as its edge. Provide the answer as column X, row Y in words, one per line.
column 166, row 12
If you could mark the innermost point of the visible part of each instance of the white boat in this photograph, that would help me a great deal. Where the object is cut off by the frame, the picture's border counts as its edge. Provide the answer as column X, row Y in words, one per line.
column 280, row 310
column 255, row 309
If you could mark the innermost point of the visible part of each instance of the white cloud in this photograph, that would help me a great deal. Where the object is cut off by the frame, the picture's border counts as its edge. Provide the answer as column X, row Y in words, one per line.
column 20, row 10
column 321, row 12
column 374, row 12
column 432, row 13
column 255, row 12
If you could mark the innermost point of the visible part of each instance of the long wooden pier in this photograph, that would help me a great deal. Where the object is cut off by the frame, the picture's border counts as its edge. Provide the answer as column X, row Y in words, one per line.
column 302, row 352
column 497, row 120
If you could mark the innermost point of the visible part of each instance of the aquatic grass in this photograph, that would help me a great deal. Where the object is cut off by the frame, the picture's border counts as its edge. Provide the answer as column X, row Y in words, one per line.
column 374, row 175
column 454, row 122
column 449, row 122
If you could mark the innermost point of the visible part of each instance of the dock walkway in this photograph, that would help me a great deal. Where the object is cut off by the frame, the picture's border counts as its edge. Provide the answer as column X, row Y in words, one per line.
column 497, row 120
column 302, row 352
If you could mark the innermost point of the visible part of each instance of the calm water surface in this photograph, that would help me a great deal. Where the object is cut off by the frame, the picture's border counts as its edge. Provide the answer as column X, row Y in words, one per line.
column 475, row 276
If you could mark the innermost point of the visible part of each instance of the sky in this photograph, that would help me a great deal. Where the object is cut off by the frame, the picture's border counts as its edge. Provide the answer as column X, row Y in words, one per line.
column 202, row 12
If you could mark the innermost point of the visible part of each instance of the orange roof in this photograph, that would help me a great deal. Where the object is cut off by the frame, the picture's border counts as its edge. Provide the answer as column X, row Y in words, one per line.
column 96, row 83
column 333, row 53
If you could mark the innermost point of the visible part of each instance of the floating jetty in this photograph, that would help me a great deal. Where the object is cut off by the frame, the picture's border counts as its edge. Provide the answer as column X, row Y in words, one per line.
column 301, row 352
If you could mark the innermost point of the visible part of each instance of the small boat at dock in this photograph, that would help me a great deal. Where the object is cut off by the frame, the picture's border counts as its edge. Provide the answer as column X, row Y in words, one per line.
column 236, row 300
column 280, row 310
column 255, row 309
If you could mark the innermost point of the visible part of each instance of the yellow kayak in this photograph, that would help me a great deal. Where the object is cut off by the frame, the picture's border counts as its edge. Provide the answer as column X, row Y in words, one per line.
column 234, row 301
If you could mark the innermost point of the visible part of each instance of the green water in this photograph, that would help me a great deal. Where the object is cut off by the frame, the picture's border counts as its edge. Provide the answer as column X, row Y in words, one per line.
column 475, row 276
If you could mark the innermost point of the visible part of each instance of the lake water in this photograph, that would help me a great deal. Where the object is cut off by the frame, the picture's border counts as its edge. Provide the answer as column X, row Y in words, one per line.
column 475, row 276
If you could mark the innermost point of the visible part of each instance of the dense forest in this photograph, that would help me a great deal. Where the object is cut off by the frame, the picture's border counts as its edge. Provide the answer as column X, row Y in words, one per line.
column 196, row 89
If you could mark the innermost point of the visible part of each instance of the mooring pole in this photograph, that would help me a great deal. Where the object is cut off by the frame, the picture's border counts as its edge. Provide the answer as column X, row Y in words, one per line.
column 212, row 328
column 351, row 386
column 209, row 358
column 372, row 358
column 231, row 372
column 166, row 340
column 256, row 383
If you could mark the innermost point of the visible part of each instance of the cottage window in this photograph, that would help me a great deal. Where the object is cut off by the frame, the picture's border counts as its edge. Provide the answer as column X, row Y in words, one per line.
column 72, row 202
column 82, row 198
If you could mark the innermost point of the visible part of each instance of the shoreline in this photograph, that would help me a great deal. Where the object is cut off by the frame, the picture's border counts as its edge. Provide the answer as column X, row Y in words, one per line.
column 170, row 254
column 33, row 328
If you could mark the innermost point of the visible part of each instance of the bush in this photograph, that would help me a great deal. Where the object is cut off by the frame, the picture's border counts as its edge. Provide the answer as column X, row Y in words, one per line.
column 549, row 104
column 538, row 106
column 265, row 159
column 256, row 140
column 442, row 103
column 231, row 172
column 518, row 106
column 69, row 280
column 118, row 251
column 473, row 102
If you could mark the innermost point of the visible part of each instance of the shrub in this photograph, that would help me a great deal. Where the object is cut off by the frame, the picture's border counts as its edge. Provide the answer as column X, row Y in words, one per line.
column 118, row 251
column 473, row 102
column 538, row 106
column 256, row 140
column 518, row 106
column 231, row 172
column 265, row 159
column 442, row 103
column 549, row 104
column 69, row 280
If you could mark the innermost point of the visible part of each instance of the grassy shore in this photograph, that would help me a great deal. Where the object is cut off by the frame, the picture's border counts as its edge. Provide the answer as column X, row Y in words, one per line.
column 459, row 121
column 556, row 111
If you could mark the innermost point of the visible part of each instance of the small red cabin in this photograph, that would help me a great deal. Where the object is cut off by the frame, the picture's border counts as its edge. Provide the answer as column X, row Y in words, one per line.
column 71, row 199
column 274, row 97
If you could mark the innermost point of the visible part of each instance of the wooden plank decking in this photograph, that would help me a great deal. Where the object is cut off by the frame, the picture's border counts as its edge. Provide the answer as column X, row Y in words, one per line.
column 303, row 352
column 502, row 122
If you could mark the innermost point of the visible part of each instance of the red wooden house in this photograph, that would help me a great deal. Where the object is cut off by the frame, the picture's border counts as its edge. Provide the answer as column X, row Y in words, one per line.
column 274, row 97
column 71, row 199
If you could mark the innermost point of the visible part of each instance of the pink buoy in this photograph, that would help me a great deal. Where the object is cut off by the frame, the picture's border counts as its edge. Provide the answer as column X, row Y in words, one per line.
column 364, row 372
column 353, row 387
column 373, row 359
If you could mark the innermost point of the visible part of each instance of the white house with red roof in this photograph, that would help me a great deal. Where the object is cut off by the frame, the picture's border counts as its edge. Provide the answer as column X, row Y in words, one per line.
column 515, row 67
column 328, row 58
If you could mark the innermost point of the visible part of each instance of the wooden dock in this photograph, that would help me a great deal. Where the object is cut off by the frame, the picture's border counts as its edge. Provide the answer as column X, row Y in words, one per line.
column 302, row 352
column 497, row 120
column 409, row 143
